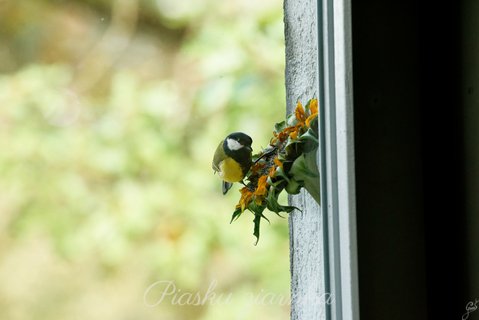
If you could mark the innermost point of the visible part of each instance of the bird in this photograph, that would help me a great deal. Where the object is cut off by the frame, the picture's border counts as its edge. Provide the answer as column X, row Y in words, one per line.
column 232, row 159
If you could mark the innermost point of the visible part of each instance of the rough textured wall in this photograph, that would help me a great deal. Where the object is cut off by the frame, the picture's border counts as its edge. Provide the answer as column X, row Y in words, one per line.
column 307, row 281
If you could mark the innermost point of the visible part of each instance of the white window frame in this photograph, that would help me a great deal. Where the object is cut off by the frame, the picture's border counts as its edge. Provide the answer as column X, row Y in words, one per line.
column 336, row 155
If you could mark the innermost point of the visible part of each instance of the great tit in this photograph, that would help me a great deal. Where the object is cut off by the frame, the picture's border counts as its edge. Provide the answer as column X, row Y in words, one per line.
column 232, row 159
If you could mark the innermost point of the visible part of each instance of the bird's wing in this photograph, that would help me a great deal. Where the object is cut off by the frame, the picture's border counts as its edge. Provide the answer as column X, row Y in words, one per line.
column 218, row 157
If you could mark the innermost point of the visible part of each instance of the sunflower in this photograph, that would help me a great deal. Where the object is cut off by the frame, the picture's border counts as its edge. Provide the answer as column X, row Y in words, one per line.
column 274, row 169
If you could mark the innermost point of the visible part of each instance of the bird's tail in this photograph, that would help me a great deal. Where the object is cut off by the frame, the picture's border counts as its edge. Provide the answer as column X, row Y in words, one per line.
column 226, row 186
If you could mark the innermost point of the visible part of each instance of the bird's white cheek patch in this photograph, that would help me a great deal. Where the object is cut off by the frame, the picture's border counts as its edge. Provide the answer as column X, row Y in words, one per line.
column 233, row 144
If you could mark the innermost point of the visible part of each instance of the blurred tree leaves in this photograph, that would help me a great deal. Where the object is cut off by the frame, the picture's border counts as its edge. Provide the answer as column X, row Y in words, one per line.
column 109, row 117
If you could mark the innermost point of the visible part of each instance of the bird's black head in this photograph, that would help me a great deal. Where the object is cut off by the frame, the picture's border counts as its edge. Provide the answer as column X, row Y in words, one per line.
column 237, row 145
column 238, row 140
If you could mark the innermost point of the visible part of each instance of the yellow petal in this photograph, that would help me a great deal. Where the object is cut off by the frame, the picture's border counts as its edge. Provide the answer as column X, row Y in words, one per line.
column 313, row 106
column 262, row 184
column 310, row 118
column 299, row 112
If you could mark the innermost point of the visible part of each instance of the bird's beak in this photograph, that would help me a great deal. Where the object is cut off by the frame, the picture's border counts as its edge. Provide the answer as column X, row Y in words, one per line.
column 250, row 149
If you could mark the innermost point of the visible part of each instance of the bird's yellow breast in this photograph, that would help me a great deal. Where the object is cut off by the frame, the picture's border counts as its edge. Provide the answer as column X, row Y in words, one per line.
column 230, row 170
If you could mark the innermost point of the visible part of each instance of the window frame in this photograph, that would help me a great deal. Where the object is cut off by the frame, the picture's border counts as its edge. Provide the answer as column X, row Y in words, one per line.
column 336, row 157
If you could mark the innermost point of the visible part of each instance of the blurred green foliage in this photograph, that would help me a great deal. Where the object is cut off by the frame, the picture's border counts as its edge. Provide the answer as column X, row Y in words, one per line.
column 110, row 112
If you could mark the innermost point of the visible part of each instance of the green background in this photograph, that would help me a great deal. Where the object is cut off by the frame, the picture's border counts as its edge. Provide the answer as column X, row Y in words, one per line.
column 110, row 112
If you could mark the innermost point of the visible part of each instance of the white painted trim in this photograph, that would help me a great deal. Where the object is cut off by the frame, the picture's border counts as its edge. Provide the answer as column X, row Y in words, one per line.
column 337, row 155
